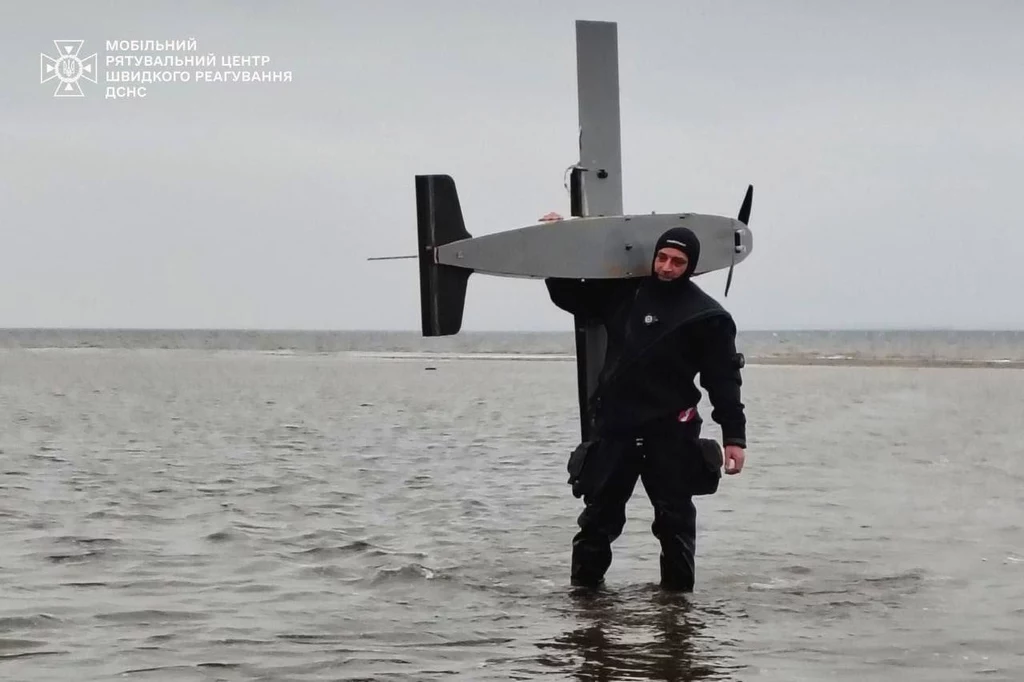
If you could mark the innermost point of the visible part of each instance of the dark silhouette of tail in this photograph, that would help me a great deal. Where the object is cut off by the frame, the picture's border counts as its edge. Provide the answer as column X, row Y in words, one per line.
column 442, row 287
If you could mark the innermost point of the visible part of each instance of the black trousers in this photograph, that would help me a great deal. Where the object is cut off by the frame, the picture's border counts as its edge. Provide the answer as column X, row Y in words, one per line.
column 663, row 460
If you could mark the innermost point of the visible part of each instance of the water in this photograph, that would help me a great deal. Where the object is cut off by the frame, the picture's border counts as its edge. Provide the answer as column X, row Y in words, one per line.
column 203, row 514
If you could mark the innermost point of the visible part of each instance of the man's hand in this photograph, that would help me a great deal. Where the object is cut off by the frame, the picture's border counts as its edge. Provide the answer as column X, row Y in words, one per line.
column 734, row 456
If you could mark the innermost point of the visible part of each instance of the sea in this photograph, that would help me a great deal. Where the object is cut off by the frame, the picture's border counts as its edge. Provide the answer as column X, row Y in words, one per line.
column 329, row 505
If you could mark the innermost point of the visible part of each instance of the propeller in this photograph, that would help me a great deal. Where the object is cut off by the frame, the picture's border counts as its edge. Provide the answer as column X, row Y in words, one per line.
column 743, row 217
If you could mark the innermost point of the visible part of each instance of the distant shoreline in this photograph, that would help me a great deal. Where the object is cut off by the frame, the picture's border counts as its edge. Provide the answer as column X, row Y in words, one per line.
column 427, row 357
column 890, row 362
column 491, row 332
column 775, row 361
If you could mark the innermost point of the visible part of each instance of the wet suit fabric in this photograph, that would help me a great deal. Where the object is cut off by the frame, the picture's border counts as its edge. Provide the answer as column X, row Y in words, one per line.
column 665, row 460
column 661, row 335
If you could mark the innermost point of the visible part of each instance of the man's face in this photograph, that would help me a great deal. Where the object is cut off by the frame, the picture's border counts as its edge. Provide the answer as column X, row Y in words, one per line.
column 670, row 263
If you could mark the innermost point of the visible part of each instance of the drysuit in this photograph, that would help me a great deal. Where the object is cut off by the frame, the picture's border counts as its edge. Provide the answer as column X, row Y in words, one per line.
column 660, row 335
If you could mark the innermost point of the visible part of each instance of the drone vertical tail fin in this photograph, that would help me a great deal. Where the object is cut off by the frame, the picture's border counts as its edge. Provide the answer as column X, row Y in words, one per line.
column 442, row 287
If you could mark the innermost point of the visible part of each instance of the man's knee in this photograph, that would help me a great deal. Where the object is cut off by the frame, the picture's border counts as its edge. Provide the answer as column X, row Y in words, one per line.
column 675, row 517
column 602, row 520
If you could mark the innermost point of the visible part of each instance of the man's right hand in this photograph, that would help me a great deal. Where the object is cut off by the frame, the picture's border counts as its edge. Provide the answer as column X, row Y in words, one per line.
column 734, row 458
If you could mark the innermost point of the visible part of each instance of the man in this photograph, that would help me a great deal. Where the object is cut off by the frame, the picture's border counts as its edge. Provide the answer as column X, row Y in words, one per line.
column 662, row 331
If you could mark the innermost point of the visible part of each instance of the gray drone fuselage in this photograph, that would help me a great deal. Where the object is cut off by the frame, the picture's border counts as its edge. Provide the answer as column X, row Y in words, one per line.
column 596, row 247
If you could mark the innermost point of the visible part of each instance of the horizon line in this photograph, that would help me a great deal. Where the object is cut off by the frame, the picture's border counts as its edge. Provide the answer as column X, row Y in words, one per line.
column 487, row 331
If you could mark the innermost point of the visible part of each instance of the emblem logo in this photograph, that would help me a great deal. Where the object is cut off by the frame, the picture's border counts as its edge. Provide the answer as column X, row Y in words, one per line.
column 67, row 68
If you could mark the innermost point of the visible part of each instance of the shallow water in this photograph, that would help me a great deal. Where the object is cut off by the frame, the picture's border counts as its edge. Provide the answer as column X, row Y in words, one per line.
column 199, row 515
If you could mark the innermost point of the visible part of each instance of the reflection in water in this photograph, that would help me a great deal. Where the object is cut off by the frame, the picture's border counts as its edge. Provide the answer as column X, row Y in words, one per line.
column 638, row 634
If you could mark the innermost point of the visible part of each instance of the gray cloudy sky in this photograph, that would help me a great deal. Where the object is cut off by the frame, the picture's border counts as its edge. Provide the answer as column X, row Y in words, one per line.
column 884, row 140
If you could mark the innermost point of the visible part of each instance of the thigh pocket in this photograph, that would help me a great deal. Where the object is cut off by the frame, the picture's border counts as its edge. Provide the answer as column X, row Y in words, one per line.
column 577, row 466
column 708, row 471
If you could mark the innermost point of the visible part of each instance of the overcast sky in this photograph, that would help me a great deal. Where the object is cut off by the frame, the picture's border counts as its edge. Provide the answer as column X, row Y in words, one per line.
column 885, row 142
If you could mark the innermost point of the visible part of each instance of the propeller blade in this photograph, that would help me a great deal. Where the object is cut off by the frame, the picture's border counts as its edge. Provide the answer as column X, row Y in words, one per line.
column 728, row 281
column 743, row 217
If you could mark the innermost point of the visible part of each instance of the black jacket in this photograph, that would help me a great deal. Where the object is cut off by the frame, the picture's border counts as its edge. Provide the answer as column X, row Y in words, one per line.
column 659, row 339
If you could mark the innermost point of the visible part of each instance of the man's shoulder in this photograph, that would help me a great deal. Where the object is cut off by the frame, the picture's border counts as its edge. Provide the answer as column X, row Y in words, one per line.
column 621, row 288
column 702, row 305
column 709, row 300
